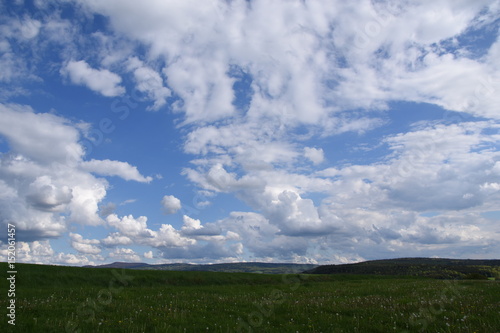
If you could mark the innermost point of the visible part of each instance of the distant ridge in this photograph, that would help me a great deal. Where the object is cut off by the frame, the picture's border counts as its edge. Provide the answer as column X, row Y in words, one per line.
column 241, row 267
column 128, row 265
column 426, row 267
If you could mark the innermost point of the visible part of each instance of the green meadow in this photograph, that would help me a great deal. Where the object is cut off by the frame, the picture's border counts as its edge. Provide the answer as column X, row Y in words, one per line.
column 71, row 299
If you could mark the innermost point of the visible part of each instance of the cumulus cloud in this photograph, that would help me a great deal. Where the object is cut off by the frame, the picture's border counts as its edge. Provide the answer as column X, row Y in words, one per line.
column 136, row 229
column 85, row 246
column 170, row 204
column 46, row 185
column 192, row 227
column 39, row 174
column 99, row 80
column 296, row 216
column 150, row 82
column 44, row 195
column 124, row 254
column 168, row 237
column 128, row 225
column 116, row 238
column 41, row 252
column 194, row 240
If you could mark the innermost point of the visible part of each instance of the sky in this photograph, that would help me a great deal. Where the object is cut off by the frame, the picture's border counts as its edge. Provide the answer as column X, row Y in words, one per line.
column 310, row 131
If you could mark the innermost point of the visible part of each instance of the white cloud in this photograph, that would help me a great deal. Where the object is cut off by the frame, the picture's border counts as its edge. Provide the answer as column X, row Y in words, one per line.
column 16, row 31
column 314, row 154
column 87, row 192
column 85, row 246
column 44, row 186
column 44, row 137
column 148, row 255
column 149, row 82
column 206, row 91
column 434, row 167
column 34, row 251
column 43, row 195
column 115, row 168
column 21, row 29
column 128, row 225
column 136, row 229
column 128, row 201
column 170, row 204
column 296, row 216
column 124, row 254
column 116, row 238
column 454, row 83
column 99, row 80
column 194, row 228
column 263, row 239
column 74, row 259
column 30, row 28
column 447, row 163
column 194, row 241
column 169, row 237
column 41, row 252
column 190, row 223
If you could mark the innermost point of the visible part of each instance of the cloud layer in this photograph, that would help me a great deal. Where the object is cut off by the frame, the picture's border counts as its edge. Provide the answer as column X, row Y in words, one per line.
column 265, row 93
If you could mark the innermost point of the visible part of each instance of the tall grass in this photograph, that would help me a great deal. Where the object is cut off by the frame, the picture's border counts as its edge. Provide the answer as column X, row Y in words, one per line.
column 66, row 299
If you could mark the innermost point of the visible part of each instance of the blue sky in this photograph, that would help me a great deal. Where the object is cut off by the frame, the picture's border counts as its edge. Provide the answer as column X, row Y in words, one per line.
column 225, row 131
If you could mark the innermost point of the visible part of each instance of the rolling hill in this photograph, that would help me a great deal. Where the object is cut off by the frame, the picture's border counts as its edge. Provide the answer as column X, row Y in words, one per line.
column 75, row 299
column 427, row 267
column 241, row 267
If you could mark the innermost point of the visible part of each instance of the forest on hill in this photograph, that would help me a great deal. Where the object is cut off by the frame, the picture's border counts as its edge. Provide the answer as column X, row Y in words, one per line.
column 426, row 267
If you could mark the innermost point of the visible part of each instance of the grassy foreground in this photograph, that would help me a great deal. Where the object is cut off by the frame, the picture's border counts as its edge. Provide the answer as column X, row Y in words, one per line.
column 69, row 299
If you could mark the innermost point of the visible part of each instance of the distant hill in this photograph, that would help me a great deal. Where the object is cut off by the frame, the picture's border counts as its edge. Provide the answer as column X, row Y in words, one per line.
column 427, row 267
column 127, row 265
column 242, row 267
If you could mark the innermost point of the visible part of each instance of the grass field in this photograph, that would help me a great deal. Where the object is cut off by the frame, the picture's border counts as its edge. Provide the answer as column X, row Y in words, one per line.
column 68, row 299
